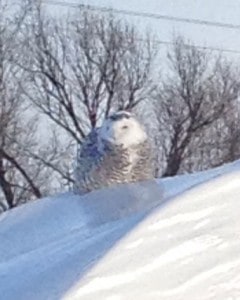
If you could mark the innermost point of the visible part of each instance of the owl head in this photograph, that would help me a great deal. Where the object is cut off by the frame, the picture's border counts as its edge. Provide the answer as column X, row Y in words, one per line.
column 122, row 129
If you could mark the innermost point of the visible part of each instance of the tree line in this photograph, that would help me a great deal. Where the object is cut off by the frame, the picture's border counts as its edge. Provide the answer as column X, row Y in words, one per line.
column 61, row 76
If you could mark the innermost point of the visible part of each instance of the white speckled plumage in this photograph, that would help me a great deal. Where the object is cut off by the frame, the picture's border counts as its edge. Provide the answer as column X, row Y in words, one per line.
column 117, row 152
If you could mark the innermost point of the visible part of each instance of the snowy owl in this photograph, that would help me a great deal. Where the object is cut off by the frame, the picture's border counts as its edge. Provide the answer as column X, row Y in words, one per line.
column 117, row 152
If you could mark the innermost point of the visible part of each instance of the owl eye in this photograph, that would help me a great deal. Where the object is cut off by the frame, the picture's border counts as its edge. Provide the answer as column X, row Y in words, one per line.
column 124, row 127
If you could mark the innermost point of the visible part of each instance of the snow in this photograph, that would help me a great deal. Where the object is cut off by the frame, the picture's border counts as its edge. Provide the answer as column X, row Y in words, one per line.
column 174, row 238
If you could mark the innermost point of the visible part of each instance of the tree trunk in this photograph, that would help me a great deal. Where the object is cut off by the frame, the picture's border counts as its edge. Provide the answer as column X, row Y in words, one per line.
column 6, row 186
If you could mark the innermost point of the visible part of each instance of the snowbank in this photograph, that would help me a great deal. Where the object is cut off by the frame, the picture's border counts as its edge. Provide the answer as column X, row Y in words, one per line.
column 177, row 238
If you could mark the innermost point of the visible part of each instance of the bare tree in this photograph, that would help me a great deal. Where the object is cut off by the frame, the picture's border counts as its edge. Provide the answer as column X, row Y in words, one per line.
column 20, row 178
column 226, row 145
column 86, row 68
column 83, row 68
column 195, row 95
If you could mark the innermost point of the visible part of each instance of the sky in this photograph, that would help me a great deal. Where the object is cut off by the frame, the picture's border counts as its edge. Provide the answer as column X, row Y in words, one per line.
column 225, row 11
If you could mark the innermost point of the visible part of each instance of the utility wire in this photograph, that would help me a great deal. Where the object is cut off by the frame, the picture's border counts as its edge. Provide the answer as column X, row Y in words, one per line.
column 166, row 43
column 201, row 47
column 143, row 14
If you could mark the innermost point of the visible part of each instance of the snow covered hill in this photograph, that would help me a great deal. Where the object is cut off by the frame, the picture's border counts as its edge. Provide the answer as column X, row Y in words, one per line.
column 178, row 238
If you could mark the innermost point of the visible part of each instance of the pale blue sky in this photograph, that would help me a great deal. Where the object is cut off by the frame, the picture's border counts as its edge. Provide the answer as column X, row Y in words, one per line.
column 227, row 11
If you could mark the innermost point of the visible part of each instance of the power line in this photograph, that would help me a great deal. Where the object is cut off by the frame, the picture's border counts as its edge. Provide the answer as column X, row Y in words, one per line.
column 166, row 43
column 144, row 14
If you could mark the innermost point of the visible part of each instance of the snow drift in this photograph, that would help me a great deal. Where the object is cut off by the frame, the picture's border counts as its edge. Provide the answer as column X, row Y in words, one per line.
column 177, row 238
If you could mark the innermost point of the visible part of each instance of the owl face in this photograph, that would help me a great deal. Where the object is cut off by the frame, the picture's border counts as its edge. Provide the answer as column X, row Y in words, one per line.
column 122, row 129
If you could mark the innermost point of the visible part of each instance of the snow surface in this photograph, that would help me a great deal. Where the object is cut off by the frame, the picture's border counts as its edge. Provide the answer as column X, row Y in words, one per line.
column 176, row 238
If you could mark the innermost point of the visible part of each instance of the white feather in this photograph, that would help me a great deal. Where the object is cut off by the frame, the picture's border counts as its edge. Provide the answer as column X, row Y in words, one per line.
column 126, row 132
column 117, row 152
